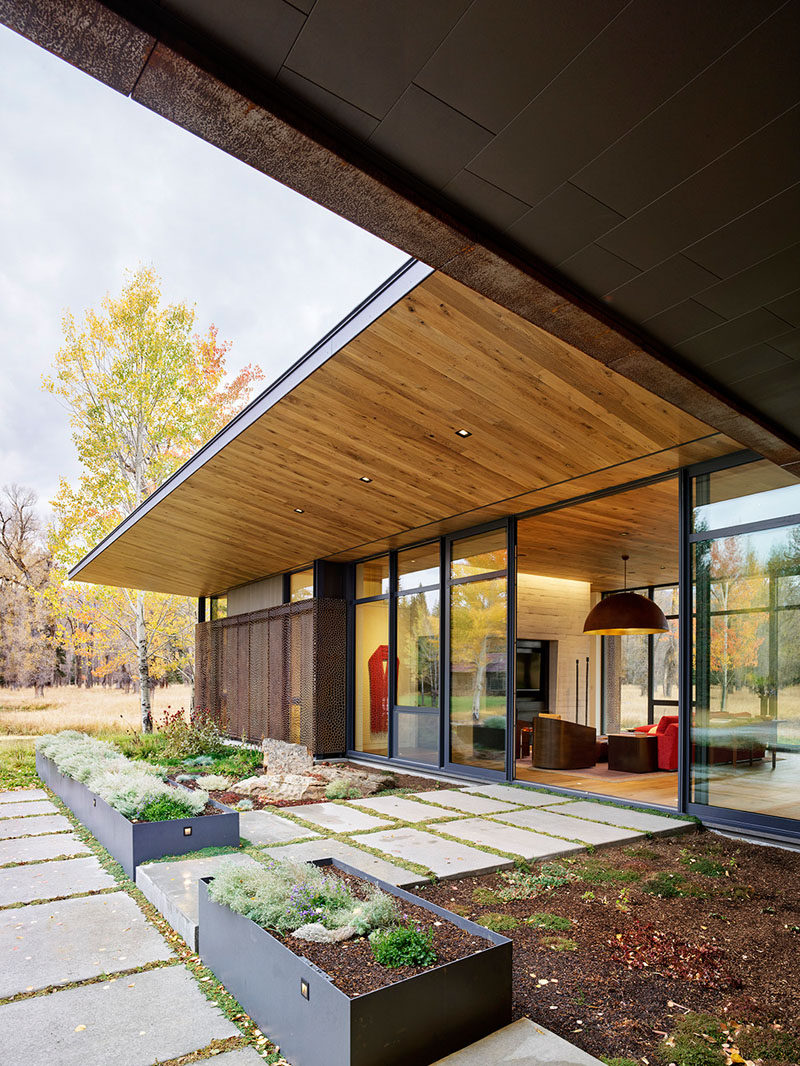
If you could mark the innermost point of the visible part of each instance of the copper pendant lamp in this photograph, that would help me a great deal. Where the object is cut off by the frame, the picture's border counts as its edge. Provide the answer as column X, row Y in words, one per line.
column 625, row 614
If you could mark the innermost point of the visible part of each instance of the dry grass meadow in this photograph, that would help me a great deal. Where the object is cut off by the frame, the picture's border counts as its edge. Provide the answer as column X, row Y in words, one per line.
column 96, row 710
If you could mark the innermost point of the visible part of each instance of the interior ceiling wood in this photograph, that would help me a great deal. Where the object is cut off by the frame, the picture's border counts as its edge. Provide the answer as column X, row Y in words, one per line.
column 544, row 418
column 585, row 542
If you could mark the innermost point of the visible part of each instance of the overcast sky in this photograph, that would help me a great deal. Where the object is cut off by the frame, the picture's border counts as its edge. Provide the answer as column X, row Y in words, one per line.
column 91, row 184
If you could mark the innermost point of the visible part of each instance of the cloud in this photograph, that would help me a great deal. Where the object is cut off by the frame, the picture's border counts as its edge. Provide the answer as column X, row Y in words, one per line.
column 92, row 184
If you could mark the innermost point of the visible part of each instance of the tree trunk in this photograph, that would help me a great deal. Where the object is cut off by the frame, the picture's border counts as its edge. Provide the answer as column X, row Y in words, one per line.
column 144, row 676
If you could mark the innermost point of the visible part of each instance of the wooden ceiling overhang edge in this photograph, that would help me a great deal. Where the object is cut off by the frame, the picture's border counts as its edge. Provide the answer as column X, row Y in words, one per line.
column 143, row 51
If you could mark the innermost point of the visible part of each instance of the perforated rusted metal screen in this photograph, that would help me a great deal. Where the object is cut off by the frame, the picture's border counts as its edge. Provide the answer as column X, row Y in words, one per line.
column 277, row 673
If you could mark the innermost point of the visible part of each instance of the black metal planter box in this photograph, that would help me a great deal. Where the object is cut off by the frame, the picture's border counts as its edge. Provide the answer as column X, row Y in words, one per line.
column 132, row 843
column 411, row 1023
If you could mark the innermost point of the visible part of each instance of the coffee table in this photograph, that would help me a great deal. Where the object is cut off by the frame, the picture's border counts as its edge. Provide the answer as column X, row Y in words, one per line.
column 633, row 753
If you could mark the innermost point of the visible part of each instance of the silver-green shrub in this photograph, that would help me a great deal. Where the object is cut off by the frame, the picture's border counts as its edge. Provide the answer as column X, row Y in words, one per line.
column 125, row 785
column 214, row 782
column 298, row 898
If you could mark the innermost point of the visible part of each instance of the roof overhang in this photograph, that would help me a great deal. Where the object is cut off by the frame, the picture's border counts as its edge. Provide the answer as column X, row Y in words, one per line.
column 382, row 397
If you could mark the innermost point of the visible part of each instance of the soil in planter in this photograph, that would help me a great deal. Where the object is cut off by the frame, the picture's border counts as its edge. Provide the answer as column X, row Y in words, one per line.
column 612, row 966
column 353, row 968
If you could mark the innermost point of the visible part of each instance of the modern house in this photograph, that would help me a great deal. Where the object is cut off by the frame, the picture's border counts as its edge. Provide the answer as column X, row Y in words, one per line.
column 591, row 389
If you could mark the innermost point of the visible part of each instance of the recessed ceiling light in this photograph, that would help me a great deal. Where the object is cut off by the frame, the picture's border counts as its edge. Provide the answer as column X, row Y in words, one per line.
column 463, row 433
column 365, row 478
column 623, row 534
column 299, row 510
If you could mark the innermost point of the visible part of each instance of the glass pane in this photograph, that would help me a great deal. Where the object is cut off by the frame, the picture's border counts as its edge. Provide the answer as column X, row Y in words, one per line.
column 667, row 599
column 219, row 607
column 371, row 677
column 750, row 493
column 372, row 578
column 478, row 649
column 301, row 586
column 417, row 736
column 481, row 554
column 626, row 680
column 418, row 649
column 418, row 567
column 665, row 663
column 746, row 716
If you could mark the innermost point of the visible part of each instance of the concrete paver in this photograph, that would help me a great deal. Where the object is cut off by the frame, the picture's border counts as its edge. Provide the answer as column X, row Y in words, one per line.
column 46, row 880
column 31, row 849
column 522, row 842
column 544, row 821
column 444, row 858
column 337, row 818
column 18, row 810
column 172, row 888
column 308, row 850
column 265, row 827
column 134, row 1021
column 466, row 802
column 524, row 797
column 43, row 823
column 405, row 810
column 625, row 816
column 23, row 795
column 57, row 943
column 523, row 1043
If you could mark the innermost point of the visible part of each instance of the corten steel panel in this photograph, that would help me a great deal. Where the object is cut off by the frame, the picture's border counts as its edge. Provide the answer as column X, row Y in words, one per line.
column 283, row 672
column 132, row 843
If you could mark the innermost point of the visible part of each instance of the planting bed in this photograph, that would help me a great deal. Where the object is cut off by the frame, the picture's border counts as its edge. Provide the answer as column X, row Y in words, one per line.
column 643, row 935
column 132, row 843
column 334, row 1003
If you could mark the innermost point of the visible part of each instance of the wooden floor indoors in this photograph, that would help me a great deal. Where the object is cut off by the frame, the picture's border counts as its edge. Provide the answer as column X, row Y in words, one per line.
column 660, row 788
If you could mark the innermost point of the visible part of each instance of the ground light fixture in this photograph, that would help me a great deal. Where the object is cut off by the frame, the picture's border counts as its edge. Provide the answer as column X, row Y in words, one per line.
column 625, row 614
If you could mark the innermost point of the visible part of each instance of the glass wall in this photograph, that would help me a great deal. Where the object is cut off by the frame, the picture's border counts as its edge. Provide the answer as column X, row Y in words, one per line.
column 417, row 605
column 745, row 541
column 478, row 591
column 371, row 672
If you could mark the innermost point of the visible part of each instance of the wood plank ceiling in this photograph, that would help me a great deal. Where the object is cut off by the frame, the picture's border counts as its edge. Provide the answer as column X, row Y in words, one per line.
column 547, row 422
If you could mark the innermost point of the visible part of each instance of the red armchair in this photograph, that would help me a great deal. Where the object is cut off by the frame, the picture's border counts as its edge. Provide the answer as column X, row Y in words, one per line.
column 667, row 733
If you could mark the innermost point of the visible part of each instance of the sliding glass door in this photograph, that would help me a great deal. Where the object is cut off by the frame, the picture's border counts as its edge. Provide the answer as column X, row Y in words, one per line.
column 477, row 676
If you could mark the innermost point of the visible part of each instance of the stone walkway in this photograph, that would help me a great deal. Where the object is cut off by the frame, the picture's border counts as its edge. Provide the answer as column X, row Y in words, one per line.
column 85, row 976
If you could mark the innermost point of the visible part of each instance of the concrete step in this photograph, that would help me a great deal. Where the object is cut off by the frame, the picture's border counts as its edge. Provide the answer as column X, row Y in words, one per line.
column 523, row 1043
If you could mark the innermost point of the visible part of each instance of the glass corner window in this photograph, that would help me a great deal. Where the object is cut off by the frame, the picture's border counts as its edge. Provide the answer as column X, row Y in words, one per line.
column 301, row 585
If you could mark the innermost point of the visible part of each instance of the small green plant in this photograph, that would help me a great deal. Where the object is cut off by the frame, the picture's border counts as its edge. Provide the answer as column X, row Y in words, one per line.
column 403, row 945
column 701, row 864
column 165, row 807
column 623, row 900
column 588, row 896
column 341, row 789
column 551, row 922
column 597, row 873
column 560, row 943
column 665, row 885
column 641, row 852
column 692, row 1042
column 486, row 896
column 525, row 884
column 497, row 922
column 245, row 805
column 773, row 1045
column 619, row 1062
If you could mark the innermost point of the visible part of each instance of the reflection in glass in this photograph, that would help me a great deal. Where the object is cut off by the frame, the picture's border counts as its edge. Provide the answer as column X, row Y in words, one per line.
column 632, row 678
column 478, row 638
column 746, row 717
column 665, row 663
column 667, row 599
column 418, row 567
column 418, row 649
column 372, row 578
column 481, row 554
column 753, row 492
column 301, row 585
column 372, row 677
column 417, row 736
column 219, row 607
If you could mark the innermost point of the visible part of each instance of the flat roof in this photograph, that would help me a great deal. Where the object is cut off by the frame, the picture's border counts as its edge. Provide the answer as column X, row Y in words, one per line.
column 356, row 447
